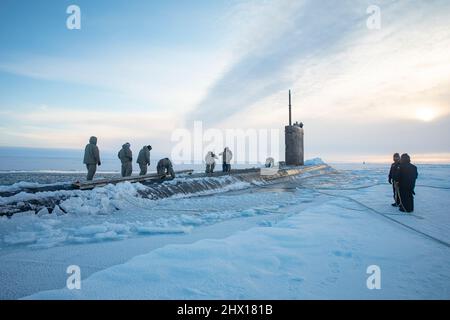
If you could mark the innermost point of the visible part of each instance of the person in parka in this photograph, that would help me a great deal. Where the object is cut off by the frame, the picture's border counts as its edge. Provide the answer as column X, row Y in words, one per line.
column 392, row 178
column 227, row 155
column 210, row 162
column 406, row 179
column 91, row 158
column 126, row 157
column 144, row 159
column 270, row 162
column 164, row 168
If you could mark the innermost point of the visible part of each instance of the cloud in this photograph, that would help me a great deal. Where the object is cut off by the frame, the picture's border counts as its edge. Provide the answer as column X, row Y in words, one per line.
column 353, row 87
column 60, row 127
column 336, row 66
column 173, row 78
column 285, row 32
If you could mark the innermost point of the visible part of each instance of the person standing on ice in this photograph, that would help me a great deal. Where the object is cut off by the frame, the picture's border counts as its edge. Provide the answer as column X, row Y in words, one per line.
column 227, row 155
column 406, row 180
column 393, row 173
column 126, row 157
column 164, row 168
column 91, row 158
column 210, row 162
column 144, row 159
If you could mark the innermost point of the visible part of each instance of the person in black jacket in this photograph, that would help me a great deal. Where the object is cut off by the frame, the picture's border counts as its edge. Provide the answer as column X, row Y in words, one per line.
column 406, row 179
column 393, row 173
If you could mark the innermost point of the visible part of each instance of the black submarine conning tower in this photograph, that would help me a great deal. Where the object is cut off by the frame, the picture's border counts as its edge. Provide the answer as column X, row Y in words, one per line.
column 293, row 139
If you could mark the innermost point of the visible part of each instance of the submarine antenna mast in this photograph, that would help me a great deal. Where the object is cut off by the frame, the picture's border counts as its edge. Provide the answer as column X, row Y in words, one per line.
column 290, row 112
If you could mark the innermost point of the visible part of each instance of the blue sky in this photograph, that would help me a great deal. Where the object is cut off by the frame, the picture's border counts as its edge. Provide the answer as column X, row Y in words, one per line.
column 138, row 70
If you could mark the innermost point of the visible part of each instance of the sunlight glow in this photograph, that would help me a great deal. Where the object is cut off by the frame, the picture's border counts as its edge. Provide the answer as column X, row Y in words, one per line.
column 426, row 114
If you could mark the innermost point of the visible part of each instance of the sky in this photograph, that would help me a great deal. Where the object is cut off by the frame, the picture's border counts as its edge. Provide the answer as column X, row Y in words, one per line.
column 137, row 71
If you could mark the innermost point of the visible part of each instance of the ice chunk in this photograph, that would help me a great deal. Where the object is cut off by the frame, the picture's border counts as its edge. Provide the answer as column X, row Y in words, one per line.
column 314, row 162
column 162, row 230
column 20, row 238
column 29, row 213
column 43, row 212
column 57, row 211
column 91, row 230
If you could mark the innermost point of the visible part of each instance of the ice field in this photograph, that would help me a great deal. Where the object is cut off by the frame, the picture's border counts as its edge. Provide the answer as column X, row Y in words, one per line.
column 312, row 237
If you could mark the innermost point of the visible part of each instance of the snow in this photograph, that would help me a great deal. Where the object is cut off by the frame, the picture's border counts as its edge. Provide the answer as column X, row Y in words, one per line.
column 24, row 196
column 21, row 185
column 314, row 161
column 97, row 215
column 20, row 238
column 306, row 256
column 306, row 238
column 156, row 230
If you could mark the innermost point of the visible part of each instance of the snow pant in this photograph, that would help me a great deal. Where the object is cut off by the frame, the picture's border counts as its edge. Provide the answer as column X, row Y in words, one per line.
column 226, row 167
column 407, row 199
column 395, row 191
column 91, row 168
column 210, row 168
column 127, row 169
column 143, row 169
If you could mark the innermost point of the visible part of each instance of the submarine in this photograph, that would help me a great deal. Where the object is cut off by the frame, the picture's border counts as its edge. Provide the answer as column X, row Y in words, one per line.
column 187, row 182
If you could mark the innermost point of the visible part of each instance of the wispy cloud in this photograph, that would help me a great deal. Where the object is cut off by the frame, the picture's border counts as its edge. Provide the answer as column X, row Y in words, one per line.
column 161, row 78
column 337, row 67
column 286, row 32
column 60, row 127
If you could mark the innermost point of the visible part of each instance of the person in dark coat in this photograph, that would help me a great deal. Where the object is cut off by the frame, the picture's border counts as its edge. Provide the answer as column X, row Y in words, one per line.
column 393, row 173
column 126, row 157
column 144, row 159
column 406, row 179
column 164, row 168
column 91, row 158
